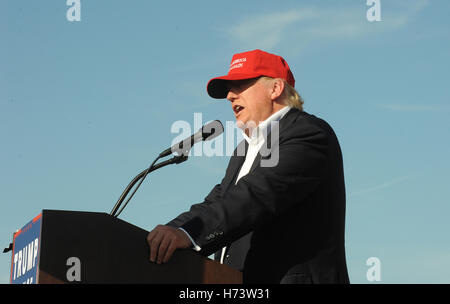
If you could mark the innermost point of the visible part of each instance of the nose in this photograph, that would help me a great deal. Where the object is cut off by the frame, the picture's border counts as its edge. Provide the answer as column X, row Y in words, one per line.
column 231, row 96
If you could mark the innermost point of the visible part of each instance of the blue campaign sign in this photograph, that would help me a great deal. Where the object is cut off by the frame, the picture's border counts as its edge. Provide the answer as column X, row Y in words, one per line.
column 25, row 255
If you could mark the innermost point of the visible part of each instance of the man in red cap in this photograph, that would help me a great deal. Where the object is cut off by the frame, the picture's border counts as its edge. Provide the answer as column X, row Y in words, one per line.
column 277, row 222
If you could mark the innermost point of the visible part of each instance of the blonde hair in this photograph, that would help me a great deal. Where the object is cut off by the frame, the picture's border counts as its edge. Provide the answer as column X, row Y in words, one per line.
column 290, row 96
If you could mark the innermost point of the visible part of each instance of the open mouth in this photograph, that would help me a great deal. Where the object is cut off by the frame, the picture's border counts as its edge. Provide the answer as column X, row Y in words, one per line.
column 237, row 109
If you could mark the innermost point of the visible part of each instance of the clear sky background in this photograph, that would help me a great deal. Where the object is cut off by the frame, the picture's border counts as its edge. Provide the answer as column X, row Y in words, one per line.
column 85, row 106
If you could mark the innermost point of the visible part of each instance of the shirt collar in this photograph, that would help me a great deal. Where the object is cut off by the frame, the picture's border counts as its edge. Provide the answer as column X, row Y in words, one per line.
column 259, row 133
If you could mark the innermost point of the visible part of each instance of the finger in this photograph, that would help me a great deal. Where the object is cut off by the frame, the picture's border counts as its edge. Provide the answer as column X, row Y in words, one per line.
column 169, row 252
column 151, row 235
column 154, row 246
column 150, row 238
column 163, row 248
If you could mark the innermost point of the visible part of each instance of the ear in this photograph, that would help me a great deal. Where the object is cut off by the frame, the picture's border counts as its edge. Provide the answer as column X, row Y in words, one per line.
column 277, row 88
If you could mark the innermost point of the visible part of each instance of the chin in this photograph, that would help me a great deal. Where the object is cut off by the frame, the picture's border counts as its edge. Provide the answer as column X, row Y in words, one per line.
column 240, row 124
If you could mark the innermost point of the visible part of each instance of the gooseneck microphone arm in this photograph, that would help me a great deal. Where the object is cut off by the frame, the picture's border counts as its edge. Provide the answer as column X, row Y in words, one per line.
column 141, row 176
column 182, row 149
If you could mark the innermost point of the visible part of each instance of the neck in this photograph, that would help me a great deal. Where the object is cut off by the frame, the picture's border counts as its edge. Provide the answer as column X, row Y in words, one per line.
column 250, row 127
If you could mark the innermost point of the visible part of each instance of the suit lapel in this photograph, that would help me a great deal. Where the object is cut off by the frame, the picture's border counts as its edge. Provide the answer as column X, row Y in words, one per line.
column 284, row 123
column 235, row 165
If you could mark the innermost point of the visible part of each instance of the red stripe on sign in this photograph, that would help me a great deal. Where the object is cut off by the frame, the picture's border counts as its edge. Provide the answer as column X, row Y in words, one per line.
column 12, row 263
column 37, row 218
column 12, row 254
column 16, row 234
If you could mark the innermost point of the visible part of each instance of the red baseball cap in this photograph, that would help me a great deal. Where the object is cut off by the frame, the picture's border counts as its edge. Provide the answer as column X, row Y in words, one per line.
column 248, row 65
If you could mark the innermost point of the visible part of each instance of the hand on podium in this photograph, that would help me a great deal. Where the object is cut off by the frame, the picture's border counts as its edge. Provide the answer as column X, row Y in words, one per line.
column 163, row 240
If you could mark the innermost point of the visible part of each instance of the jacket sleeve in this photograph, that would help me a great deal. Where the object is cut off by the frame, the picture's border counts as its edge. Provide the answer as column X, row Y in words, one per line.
column 264, row 193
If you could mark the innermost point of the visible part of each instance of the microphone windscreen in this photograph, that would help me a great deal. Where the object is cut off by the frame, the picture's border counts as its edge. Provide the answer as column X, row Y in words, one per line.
column 212, row 130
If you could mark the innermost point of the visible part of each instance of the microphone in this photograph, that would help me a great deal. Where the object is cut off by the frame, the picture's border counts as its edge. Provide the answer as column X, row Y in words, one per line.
column 207, row 132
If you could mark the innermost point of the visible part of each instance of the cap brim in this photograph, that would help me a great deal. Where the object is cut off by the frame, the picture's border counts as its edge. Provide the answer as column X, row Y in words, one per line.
column 217, row 87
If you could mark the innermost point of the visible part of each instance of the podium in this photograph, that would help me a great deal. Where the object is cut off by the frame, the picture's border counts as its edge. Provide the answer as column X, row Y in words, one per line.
column 90, row 247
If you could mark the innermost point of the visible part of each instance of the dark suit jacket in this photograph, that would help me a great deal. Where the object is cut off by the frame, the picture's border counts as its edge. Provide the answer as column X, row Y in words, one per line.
column 285, row 223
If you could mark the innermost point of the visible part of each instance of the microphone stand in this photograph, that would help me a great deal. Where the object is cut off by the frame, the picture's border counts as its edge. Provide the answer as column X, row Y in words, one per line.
column 141, row 176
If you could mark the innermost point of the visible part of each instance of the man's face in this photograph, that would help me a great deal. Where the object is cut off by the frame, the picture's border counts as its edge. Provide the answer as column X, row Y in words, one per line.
column 250, row 100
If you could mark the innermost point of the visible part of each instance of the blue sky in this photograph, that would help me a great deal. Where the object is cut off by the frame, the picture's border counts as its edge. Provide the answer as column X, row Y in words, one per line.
column 85, row 106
